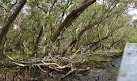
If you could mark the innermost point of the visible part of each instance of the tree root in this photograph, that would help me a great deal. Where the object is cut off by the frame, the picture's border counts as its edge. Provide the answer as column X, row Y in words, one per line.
column 53, row 64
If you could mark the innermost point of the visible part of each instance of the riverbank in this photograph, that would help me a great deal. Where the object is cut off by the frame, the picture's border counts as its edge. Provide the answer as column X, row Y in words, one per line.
column 102, row 68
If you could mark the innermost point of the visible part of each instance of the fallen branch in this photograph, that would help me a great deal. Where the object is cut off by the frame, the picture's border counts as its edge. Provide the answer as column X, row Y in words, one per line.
column 72, row 71
column 51, row 62
column 53, row 66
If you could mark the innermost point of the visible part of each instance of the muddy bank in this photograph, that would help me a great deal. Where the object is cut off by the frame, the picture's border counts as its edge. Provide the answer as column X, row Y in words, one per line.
column 100, row 71
column 103, row 72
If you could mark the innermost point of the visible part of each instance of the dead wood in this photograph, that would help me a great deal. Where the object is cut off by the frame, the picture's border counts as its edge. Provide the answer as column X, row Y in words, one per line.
column 64, row 65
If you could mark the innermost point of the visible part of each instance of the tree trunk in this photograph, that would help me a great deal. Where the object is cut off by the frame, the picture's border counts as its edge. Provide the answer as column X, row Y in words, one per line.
column 12, row 48
column 70, row 18
column 6, row 27
column 4, row 46
column 38, row 39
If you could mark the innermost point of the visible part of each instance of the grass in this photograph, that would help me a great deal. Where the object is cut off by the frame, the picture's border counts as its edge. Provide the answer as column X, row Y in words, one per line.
column 19, row 56
column 115, row 50
column 112, row 50
column 100, row 58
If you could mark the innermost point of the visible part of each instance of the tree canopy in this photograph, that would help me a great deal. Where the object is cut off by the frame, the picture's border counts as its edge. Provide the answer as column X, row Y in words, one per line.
column 40, row 23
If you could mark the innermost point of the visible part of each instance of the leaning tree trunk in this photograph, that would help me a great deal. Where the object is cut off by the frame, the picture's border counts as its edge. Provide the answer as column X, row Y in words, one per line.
column 71, row 17
column 6, row 27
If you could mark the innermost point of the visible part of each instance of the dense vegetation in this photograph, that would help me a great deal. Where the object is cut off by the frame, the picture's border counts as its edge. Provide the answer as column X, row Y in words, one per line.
column 101, row 25
column 59, row 29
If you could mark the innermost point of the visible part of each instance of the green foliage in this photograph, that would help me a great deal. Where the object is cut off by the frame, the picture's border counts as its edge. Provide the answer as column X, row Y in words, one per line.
column 118, row 24
column 74, row 50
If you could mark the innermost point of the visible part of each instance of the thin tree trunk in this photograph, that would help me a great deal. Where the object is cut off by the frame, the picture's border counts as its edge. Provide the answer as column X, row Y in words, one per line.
column 4, row 46
column 51, row 30
column 5, row 28
column 12, row 47
column 42, row 28
column 38, row 39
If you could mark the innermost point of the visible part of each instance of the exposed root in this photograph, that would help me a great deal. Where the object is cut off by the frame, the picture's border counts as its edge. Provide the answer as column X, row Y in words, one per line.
column 65, row 65
column 41, row 69
column 53, row 66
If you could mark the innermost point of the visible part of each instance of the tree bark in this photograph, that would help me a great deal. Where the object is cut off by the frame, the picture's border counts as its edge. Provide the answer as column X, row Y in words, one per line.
column 95, row 43
column 4, row 46
column 6, row 27
column 38, row 39
column 113, row 43
column 42, row 28
column 70, row 18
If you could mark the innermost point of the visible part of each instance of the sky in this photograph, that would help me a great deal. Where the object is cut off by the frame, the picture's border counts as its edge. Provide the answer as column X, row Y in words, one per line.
column 133, row 12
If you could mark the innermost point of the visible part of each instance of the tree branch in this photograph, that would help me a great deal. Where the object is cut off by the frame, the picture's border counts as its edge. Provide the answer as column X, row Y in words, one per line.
column 70, row 18
column 5, row 28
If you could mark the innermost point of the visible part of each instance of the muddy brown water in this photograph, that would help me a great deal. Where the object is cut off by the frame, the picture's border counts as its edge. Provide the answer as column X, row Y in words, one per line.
column 107, row 73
